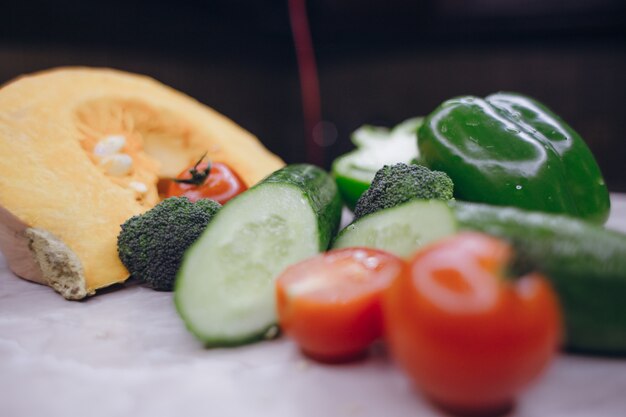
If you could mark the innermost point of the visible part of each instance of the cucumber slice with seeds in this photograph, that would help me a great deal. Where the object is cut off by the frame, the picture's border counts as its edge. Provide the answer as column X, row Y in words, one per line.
column 225, row 287
column 401, row 229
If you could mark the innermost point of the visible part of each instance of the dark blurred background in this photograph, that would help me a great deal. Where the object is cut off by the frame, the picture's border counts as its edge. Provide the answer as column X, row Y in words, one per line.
column 380, row 61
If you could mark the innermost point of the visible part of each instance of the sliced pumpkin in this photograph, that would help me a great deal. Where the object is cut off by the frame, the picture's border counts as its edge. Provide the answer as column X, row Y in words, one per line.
column 82, row 150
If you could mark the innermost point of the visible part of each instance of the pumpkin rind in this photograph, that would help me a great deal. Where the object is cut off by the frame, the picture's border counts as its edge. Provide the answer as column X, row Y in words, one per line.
column 50, row 181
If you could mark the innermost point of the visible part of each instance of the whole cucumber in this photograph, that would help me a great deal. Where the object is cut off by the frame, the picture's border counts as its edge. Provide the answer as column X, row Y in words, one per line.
column 586, row 264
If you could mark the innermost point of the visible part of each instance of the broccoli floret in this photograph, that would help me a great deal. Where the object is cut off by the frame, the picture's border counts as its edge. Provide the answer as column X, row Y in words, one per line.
column 151, row 245
column 395, row 184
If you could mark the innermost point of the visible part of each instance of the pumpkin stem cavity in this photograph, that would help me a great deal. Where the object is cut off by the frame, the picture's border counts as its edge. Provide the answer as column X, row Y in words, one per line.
column 198, row 177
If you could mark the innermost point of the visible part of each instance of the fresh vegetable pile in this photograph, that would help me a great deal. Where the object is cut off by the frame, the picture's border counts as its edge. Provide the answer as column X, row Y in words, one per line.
column 476, row 249
column 473, row 299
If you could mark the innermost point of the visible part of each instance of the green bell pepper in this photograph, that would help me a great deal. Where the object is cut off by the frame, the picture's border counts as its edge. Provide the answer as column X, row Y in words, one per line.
column 375, row 147
column 511, row 150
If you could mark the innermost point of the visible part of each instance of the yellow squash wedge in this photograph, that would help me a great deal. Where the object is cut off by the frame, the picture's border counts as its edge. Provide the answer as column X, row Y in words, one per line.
column 82, row 150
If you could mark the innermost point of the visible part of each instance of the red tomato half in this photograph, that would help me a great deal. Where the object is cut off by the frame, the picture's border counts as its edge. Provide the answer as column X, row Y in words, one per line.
column 331, row 304
column 220, row 183
column 468, row 336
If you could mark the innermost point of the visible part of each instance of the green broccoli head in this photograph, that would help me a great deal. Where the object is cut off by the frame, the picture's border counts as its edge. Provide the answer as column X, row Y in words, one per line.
column 396, row 184
column 151, row 245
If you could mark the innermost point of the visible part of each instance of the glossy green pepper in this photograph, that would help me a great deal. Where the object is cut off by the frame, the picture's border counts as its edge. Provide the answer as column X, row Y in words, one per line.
column 511, row 150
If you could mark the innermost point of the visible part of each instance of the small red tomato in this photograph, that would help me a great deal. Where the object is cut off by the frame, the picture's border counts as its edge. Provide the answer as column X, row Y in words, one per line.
column 469, row 336
column 204, row 180
column 331, row 304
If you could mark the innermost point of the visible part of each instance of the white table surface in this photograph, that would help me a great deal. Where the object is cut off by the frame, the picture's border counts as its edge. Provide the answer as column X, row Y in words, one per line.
column 126, row 353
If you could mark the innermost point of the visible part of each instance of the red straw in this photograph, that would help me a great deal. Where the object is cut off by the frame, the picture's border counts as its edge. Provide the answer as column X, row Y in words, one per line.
column 309, row 83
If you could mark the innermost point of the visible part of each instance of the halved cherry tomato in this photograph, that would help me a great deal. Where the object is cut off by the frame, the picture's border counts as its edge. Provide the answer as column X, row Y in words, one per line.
column 467, row 334
column 331, row 304
column 203, row 180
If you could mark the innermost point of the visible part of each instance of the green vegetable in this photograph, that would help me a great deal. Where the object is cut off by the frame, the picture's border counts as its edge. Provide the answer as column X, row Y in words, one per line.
column 510, row 150
column 376, row 146
column 585, row 262
column 395, row 184
column 400, row 229
column 151, row 245
column 225, row 286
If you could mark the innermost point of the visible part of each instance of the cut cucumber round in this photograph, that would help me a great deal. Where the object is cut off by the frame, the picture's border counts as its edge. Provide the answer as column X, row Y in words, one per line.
column 225, row 286
column 401, row 229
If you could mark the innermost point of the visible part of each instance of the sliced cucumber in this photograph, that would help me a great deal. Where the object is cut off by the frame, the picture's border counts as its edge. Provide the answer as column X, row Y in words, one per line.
column 225, row 286
column 401, row 229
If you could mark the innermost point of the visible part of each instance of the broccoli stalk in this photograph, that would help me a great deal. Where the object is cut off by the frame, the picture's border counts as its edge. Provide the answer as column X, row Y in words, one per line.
column 151, row 245
column 396, row 184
